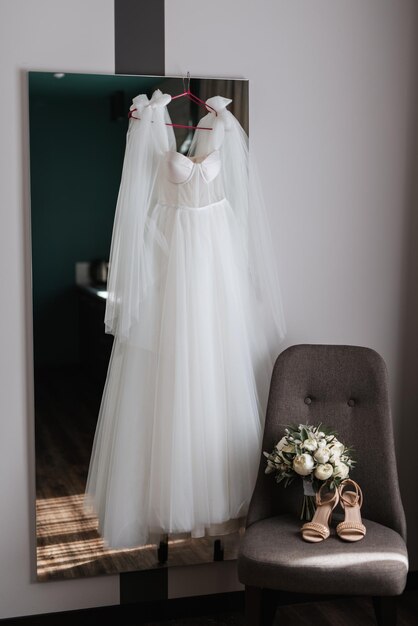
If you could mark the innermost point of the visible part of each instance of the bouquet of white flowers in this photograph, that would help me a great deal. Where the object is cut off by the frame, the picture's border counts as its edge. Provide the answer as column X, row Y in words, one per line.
column 315, row 454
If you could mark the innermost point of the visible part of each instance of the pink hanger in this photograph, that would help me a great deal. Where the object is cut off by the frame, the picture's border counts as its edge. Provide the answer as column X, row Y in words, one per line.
column 191, row 96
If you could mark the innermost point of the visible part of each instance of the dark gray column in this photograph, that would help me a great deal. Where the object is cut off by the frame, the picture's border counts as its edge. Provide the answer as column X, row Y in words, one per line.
column 139, row 37
column 143, row 586
column 139, row 49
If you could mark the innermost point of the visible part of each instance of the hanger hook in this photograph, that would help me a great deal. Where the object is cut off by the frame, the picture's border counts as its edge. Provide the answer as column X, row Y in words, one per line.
column 187, row 79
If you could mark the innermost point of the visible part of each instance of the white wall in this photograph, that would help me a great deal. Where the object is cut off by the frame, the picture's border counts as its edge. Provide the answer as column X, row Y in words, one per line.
column 333, row 95
column 336, row 80
column 50, row 35
column 408, row 388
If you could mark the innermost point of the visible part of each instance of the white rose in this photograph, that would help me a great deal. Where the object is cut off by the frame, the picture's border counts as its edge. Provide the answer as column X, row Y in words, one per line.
column 341, row 470
column 322, row 455
column 336, row 450
column 337, row 447
column 303, row 464
column 310, row 444
column 324, row 471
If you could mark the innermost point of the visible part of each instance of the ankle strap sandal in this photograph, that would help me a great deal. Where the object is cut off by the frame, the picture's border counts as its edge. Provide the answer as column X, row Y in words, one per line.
column 318, row 529
column 352, row 528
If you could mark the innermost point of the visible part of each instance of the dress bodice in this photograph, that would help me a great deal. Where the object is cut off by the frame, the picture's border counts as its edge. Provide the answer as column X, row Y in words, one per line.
column 192, row 182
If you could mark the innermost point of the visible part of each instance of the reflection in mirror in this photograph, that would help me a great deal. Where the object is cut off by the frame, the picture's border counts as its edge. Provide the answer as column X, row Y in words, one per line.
column 78, row 126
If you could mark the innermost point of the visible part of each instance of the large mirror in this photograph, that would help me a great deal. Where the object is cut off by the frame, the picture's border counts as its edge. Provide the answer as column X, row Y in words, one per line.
column 78, row 126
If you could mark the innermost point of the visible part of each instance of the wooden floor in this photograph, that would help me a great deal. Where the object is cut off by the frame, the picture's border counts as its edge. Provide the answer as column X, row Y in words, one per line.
column 68, row 543
column 349, row 612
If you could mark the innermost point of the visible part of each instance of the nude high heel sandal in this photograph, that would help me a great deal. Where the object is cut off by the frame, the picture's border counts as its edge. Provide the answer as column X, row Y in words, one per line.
column 318, row 528
column 352, row 528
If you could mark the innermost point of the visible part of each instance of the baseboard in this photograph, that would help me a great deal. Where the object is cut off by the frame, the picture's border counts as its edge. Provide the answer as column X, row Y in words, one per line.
column 142, row 612
column 137, row 613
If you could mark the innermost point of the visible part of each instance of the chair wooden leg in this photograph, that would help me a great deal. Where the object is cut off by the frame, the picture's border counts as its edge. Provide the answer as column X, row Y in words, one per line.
column 253, row 606
column 385, row 609
column 269, row 601
column 260, row 606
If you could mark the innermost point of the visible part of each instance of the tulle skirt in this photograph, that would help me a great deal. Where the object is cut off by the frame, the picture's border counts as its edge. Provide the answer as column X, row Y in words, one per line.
column 178, row 438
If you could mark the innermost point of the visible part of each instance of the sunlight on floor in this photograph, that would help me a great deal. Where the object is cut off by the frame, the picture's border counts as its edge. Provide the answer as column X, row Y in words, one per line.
column 67, row 537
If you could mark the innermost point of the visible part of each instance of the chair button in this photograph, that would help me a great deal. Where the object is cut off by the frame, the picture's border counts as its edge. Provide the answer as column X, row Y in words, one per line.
column 351, row 402
column 308, row 400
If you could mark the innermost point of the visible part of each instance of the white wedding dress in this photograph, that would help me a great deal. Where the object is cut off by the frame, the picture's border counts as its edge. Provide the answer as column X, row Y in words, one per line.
column 194, row 304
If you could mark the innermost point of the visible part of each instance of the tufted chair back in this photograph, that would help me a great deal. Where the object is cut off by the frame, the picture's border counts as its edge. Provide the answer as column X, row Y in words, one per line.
column 345, row 388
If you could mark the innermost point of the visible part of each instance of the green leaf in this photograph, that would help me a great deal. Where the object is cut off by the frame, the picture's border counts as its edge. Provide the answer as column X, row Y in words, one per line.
column 304, row 434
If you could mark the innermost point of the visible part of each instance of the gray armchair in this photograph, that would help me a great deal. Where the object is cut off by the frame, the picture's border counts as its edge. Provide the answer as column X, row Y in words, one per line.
column 344, row 387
